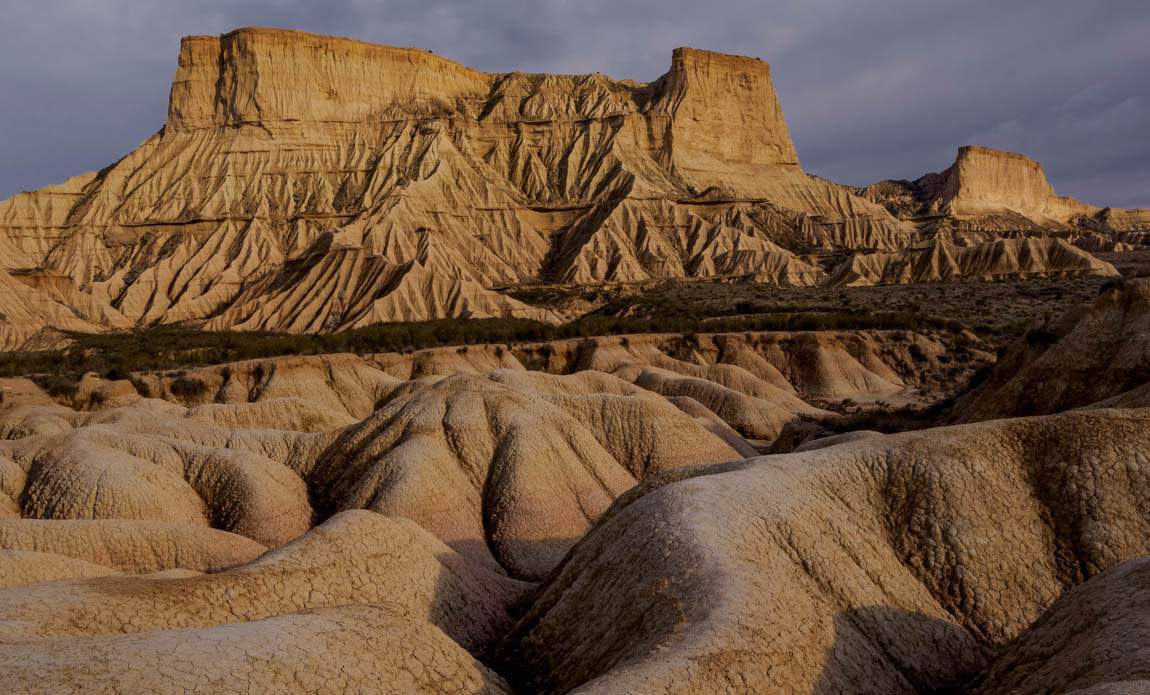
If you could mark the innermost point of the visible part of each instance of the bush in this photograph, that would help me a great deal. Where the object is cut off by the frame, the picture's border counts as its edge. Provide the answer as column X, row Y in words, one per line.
column 115, row 374
column 1112, row 285
column 58, row 385
column 188, row 388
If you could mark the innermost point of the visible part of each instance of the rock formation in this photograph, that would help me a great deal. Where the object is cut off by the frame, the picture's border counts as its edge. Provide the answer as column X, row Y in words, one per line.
column 309, row 183
column 576, row 515
column 940, row 260
column 585, row 515
column 983, row 181
column 1100, row 354
column 507, row 466
column 894, row 564
column 306, row 183
column 987, row 193
column 1092, row 640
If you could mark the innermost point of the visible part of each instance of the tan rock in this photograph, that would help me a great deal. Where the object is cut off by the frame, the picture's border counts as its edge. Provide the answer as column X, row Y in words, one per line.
column 892, row 564
column 939, row 261
column 272, row 199
column 1094, row 639
column 989, row 194
column 593, row 527
column 18, row 567
column 130, row 546
column 358, row 599
column 985, row 181
column 1094, row 356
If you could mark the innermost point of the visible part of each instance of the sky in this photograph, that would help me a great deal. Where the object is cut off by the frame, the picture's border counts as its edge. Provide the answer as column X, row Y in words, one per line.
column 872, row 89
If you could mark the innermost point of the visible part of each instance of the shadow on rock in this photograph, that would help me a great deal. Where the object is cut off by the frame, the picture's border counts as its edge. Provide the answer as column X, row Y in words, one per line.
column 880, row 649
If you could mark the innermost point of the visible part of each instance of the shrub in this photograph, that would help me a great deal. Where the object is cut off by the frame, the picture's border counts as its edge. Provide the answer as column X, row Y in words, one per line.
column 1112, row 285
column 164, row 349
column 58, row 385
column 188, row 388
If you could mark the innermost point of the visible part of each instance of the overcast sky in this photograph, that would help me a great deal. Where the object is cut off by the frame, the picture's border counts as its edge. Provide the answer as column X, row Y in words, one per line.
column 872, row 89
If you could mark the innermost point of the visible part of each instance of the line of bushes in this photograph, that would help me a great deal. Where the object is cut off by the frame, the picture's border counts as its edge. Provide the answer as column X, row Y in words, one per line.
column 117, row 355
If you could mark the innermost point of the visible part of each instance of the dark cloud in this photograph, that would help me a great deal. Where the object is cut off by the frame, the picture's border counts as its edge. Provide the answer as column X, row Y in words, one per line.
column 872, row 90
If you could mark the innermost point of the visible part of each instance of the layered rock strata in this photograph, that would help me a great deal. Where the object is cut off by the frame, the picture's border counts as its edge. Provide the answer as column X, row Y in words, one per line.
column 306, row 183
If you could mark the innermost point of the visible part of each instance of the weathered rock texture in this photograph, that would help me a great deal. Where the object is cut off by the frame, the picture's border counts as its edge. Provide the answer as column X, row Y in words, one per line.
column 572, row 515
column 309, row 183
column 1095, row 639
column 940, row 260
column 894, row 564
column 583, row 515
column 988, row 193
column 507, row 466
column 1093, row 356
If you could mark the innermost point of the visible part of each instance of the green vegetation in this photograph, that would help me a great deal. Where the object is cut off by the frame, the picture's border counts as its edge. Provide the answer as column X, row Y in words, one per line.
column 890, row 420
column 117, row 355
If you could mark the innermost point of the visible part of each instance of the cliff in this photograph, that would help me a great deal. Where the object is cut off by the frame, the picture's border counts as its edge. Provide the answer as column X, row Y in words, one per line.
column 270, row 76
column 309, row 183
column 722, row 113
column 313, row 183
column 984, row 181
column 989, row 193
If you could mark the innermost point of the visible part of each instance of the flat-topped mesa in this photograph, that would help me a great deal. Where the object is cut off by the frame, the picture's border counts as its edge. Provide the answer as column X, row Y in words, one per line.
column 720, row 110
column 310, row 183
column 985, row 181
column 723, row 112
column 255, row 75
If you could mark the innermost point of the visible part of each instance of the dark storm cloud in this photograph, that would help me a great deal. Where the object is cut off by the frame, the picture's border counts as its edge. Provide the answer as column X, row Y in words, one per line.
column 872, row 90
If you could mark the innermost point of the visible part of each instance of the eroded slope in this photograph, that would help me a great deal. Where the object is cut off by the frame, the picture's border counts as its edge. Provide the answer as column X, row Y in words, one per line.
column 305, row 183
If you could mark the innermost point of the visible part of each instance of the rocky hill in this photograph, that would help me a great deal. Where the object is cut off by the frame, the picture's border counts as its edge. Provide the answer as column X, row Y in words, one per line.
column 586, row 514
column 940, row 260
column 306, row 183
column 1101, row 354
column 310, row 183
column 989, row 194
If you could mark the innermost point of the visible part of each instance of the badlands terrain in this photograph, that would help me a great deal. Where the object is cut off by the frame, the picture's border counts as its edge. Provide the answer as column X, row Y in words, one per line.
column 309, row 184
column 371, row 372
column 642, row 513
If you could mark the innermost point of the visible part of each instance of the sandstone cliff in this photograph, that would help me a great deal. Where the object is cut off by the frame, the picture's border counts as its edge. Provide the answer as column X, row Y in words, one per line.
column 311, row 183
column 987, row 193
column 984, row 181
